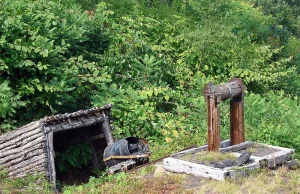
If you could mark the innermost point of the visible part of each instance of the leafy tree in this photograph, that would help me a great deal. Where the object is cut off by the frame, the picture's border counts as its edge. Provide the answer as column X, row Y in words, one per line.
column 44, row 56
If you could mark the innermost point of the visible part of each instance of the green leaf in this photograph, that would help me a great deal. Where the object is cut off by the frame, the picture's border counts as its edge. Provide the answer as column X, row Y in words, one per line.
column 39, row 87
column 167, row 97
column 95, row 73
column 24, row 48
column 149, row 93
column 80, row 58
column 155, row 91
column 18, row 47
column 28, row 63
column 37, row 50
column 91, row 79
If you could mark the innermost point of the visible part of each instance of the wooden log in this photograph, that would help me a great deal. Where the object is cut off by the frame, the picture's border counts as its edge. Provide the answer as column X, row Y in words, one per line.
column 39, row 142
column 190, row 151
column 23, row 139
column 32, row 168
column 36, row 171
column 13, row 134
column 90, row 112
column 225, row 91
column 36, row 159
column 223, row 144
column 237, row 147
column 28, row 167
column 242, row 171
column 35, row 142
column 237, row 131
column 50, row 159
column 96, row 137
column 213, row 118
column 181, row 166
column 279, row 157
column 74, row 124
column 9, row 148
column 22, row 152
column 107, row 131
column 24, row 156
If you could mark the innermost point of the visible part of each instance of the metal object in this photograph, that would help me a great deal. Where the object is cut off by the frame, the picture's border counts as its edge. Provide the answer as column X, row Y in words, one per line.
column 134, row 149
column 213, row 95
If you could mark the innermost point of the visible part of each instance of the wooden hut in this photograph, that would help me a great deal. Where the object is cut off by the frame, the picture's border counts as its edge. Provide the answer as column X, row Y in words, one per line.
column 30, row 148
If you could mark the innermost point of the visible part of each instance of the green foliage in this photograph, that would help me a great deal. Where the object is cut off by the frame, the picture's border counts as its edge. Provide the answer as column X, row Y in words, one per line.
column 44, row 56
column 159, row 67
column 120, row 180
column 151, row 59
column 273, row 119
column 8, row 104
column 285, row 12
column 75, row 155
column 29, row 184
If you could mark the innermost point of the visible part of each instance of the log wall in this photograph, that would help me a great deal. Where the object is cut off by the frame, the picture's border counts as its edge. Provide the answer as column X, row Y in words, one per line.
column 23, row 151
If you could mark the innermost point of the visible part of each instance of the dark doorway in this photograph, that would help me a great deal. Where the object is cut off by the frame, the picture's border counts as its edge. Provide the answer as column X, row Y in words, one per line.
column 78, row 154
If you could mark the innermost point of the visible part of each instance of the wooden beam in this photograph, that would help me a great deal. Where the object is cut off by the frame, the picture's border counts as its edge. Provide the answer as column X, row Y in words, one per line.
column 225, row 91
column 237, row 131
column 213, row 118
column 51, row 161
column 95, row 160
column 96, row 137
column 18, row 132
column 107, row 131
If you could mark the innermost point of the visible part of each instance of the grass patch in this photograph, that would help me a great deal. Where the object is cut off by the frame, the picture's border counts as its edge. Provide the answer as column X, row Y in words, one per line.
column 262, row 181
column 207, row 157
column 28, row 184
column 142, row 181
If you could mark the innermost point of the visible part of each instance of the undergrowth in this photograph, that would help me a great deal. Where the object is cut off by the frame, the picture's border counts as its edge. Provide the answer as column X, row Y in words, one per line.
column 29, row 184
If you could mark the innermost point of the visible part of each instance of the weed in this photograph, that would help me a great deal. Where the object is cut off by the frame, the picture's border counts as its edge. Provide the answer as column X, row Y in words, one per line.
column 268, row 181
column 35, row 183
column 147, row 170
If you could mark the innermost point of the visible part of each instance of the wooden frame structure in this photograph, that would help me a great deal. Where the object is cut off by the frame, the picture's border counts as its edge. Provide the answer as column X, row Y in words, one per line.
column 30, row 148
column 213, row 95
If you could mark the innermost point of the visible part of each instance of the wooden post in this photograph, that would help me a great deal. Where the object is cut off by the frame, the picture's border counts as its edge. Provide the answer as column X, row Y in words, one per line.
column 213, row 116
column 237, row 133
column 51, row 161
column 107, row 131
column 95, row 160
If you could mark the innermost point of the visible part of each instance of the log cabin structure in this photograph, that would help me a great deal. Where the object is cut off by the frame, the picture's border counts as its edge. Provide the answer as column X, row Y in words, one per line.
column 31, row 148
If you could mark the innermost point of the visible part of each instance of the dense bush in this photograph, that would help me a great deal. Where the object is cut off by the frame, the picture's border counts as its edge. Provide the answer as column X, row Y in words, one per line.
column 150, row 59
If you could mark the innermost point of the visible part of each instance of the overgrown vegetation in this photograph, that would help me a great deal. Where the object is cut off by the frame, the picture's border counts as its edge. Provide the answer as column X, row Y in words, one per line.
column 29, row 184
column 75, row 155
column 264, row 181
column 150, row 59
column 267, row 181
